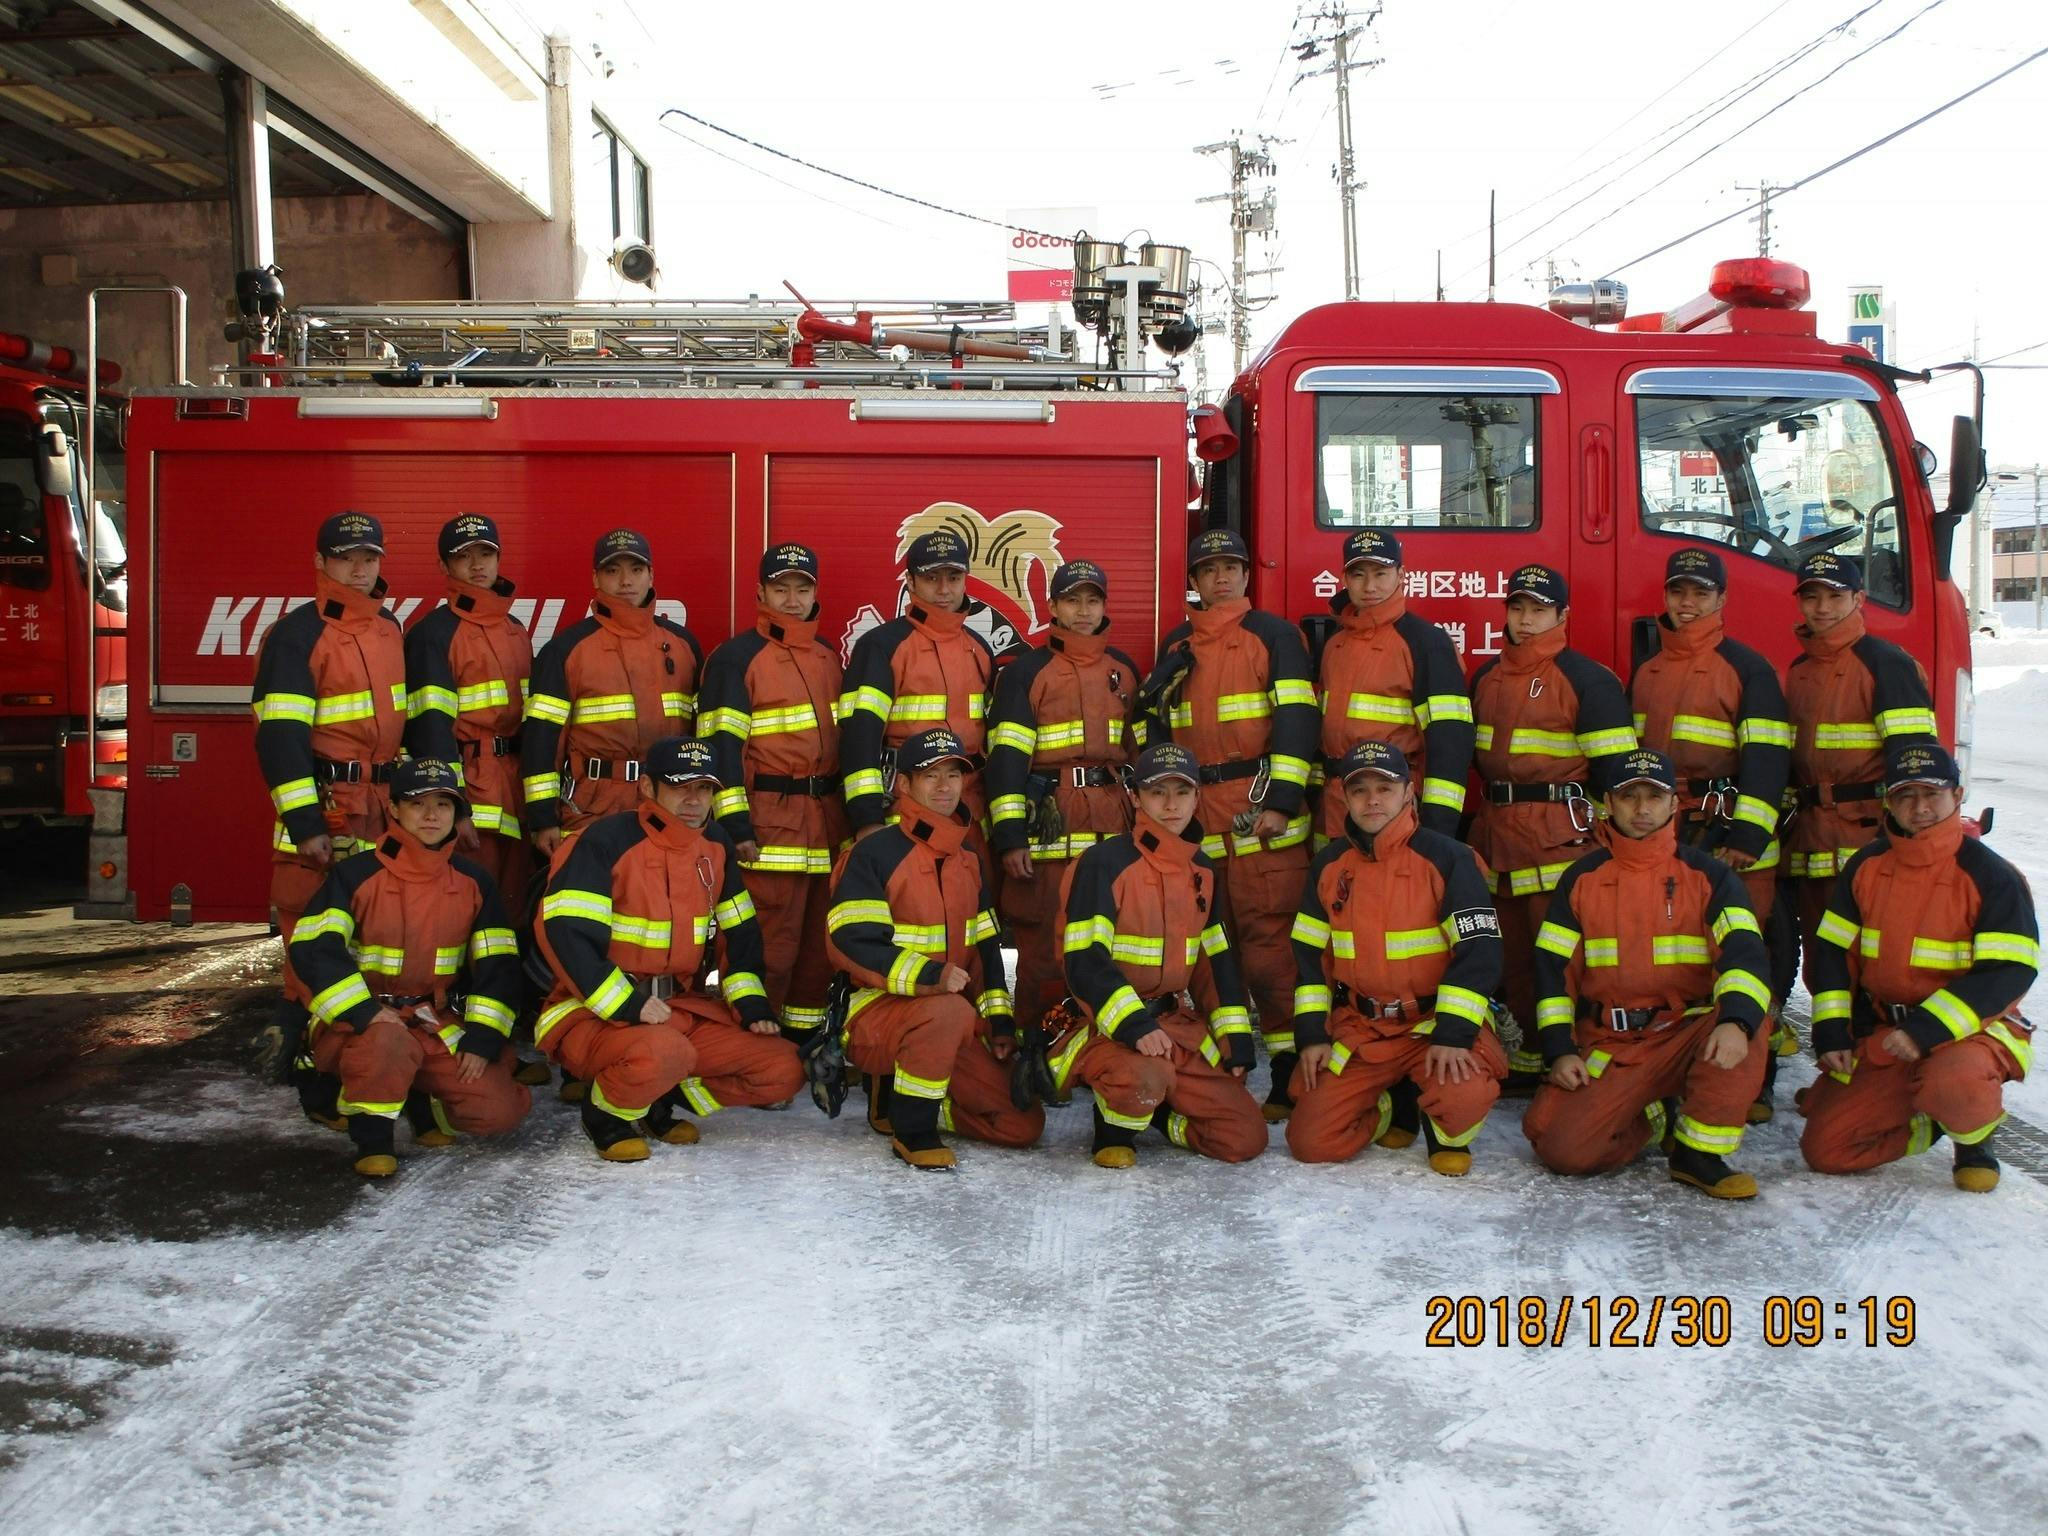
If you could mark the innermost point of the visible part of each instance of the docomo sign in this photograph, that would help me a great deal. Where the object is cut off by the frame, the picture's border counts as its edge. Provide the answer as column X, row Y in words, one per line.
column 1041, row 265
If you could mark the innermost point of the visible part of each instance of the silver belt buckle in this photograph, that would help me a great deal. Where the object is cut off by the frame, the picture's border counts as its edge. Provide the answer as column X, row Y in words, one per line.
column 663, row 987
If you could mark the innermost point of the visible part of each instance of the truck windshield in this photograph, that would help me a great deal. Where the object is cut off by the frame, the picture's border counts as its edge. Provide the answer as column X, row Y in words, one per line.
column 109, row 494
column 24, row 535
column 1779, row 477
column 1445, row 461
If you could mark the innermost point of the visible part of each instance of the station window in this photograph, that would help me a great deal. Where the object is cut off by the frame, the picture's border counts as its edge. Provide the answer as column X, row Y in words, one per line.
column 1442, row 461
column 1777, row 477
column 2012, row 541
column 632, row 183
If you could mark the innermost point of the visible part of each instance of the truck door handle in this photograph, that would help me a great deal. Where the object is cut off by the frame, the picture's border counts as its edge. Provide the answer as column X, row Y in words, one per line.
column 1596, row 469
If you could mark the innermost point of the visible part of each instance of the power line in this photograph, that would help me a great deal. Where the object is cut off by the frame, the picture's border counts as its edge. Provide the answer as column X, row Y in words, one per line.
column 1854, row 155
column 823, row 170
column 783, row 181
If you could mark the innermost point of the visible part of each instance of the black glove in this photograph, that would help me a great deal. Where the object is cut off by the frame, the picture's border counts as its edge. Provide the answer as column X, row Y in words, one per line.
column 824, row 1069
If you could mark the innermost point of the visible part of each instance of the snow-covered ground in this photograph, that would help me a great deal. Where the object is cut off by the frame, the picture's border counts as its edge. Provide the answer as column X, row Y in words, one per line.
column 782, row 1330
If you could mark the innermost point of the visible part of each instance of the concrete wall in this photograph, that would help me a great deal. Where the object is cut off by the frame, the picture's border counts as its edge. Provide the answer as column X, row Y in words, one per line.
column 334, row 250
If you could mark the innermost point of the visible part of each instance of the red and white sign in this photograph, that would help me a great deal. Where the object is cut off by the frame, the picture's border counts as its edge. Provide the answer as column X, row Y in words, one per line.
column 1041, row 264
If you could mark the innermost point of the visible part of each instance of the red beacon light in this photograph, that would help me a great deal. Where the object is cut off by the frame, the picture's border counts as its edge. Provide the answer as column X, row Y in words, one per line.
column 43, row 358
column 1757, row 282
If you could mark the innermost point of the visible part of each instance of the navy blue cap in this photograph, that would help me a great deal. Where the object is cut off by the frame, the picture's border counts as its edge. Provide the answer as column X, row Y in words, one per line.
column 789, row 559
column 1700, row 566
column 1541, row 583
column 680, row 760
column 1380, row 757
column 1828, row 569
column 619, row 544
column 1217, row 543
column 1644, row 766
column 351, row 530
column 1166, row 760
column 412, row 777
column 928, row 748
column 459, row 533
column 1077, row 573
column 940, row 550
column 1920, row 763
column 1371, row 546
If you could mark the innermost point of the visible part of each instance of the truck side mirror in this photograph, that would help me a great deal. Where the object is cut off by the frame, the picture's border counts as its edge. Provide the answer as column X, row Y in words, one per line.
column 53, row 461
column 1965, row 468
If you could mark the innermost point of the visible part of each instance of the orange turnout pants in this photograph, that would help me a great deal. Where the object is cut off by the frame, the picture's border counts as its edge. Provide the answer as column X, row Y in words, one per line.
column 1347, row 1108
column 1888, row 1108
column 381, row 1066
column 1603, row 1125
column 1258, row 897
column 1208, row 1110
column 701, row 1048
column 796, row 968
column 937, row 1048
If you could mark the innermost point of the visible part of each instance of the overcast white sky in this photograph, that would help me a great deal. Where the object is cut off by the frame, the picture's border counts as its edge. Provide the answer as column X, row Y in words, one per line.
column 989, row 109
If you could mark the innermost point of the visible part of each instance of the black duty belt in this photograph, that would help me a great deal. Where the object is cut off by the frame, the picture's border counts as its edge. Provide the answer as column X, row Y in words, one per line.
column 1159, row 1007
column 1399, row 1009
column 816, row 785
column 1808, row 796
column 1626, row 1020
column 501, row 746
column 1501, row 792
column 329, row 770
column 1080, row 777
column 415, row 1000
column 657, row 986
column 1223, row 773
column 626, row 768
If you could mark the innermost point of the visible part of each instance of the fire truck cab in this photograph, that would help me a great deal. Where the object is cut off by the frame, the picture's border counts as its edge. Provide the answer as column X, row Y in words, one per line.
column 63, row 617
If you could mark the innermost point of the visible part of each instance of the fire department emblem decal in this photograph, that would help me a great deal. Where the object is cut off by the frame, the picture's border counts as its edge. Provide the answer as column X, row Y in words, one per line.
column 1000, row 554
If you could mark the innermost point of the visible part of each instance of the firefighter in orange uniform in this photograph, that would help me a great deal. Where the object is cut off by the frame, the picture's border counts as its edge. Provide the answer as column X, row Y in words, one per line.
column 1550, row 722
column 1141, row 929
column 1232, row 685
column 1714, row 707
column 415, row 977
column 915, row 929
column 330, row 713
column 1398, row 948
column 467, row 666
column 1389, row 676
column 1057, row 743
column 639, row 906
column 1851, row 697
column 922, row 670
column 604, row 691
column 1652, row 1010
column 1928, row 945
column 767, row 706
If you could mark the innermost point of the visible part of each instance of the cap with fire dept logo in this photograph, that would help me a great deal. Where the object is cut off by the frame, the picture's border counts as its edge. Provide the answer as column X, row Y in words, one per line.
column 789, row 560
column 1644, row 766
column 1217, row 544
column 927, row 749
column 1701, row 567
column 415, row 777
column 680, row 760
column 1382, row 758
column 1371, row 546
column 1919, row 763
column 1827, row 569
column 1163, row 761
column 1077, row 573
column 621, row 544
column 458, row 533
column 351, row 530
column 1541, row 583
column 940, row 550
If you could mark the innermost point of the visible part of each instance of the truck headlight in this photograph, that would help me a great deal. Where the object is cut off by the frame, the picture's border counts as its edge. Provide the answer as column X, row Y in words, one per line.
column 111, row 702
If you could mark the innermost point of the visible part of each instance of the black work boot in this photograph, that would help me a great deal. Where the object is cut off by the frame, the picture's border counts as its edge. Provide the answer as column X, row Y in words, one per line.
column 914, row 1133
column 1976, row 1167
column 1116, row 1145
column 426, row 1129
column 665, row 1120
column 1710, row 1172
column 1763, row 1109
column 880, row 1096
column 1404, row 1120
column 1279, row 1103
column 616, row 1140
column 1451, row 1162
column 319, row 1095
column 572, row 1089
column 372, row 1135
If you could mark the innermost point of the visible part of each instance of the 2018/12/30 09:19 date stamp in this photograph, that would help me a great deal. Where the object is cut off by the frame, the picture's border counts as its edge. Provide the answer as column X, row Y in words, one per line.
column 1643, row 1322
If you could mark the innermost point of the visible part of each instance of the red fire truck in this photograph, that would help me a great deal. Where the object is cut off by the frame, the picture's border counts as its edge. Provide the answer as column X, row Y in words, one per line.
column 1489, row 435
column 63, row 627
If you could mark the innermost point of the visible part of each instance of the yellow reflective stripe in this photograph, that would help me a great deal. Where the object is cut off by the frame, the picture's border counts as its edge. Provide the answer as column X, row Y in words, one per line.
column 487, row 1011
column 791, row 859
column 340, row 707
column 295, row 795
column 1760, row 731
column 993, row 1004
column 1293, row 690
column 2022, row 1049
column 1558, row 940
column 865, row 781
column 1214, row 940
column 729, row 722
column 1137, row 949
column 735, row 910
column 1232, row 1020
column 1828, row 1006
column 429, row 700
column 447, row 959
column 611, row 995
column 1121, row 1004
column 925, row 938
column 872, row 700
column 1310, row 930
column 487, row 695
column 847, row 913
column 542, row 786
column 603, row 706
column 381, row 959
column 294, row 707
column 1343, row 944
column 591, row 905
column 1916, row 721
column 1071, row 846
column 552, row 1016
column 1182, row 714
column 920, row 1087
column 781, row 722
column 335, row 920
column 737, row 986
column 1758, row 813
column 1680, row 949
column 681, row 706
column 1019, row 738
column 1009, row 808
column 1734, row 920
column 730, row 802
column 1288, row 770
column 1620, row 738
column 1871, row 942
column 1709, row 1138
column 1246, row 706
column 549, row 707
column 1553, row 1010
column 1603, row 951
column 1084, row 931
column 1380, row 706
column 1941, row 954
column 1527, row 882
column 904, row 971
column 918, row 706
column 1530, row 742
column 1463, row 1003
column 1449, row 793
column 2019, row 947
column 330, row 1003
column 983, row 925
column 1055, row 734
column 1482, row 737
column 1744, row 984
column 1837, row 930
column 1704, row 729
column 1405, row 943
column 1439, row 707
column 1217, row 846
column 1845, row 735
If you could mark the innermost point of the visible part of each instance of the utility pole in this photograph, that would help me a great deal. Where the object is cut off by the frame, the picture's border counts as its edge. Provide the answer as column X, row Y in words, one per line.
column 1765, row 190
column 1248, row 216
column 1338, row 40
